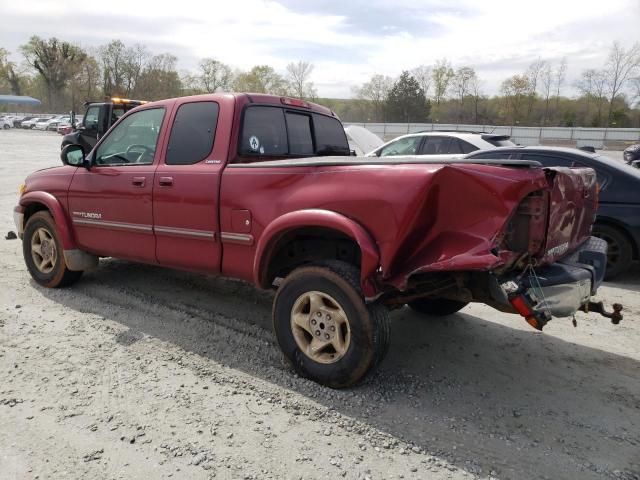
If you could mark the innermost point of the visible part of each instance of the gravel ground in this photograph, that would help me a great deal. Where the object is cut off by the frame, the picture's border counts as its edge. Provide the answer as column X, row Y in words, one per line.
column 144, row 372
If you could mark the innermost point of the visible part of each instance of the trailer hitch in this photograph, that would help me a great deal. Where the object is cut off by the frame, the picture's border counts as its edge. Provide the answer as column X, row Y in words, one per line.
column 598, row 307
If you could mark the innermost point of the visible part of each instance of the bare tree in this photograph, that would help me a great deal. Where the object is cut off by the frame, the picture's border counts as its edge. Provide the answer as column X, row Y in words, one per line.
column 214, row 75
column 559, row 77
column 546, row 77
column 533, row 75
column 620, row 67
column 461, row 85
column 424, row 75
column 376, row 91
column 122, row 66
column 298, row 77
column 476, row 92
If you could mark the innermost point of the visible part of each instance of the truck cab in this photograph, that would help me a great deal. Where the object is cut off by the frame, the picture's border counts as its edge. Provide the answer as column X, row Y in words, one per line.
column 98, row 118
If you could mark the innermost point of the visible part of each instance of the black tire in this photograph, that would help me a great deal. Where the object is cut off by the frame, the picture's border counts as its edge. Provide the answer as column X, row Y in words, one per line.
column 6, row 127
column 439, row 307
column 619, row 249
column 368, row 324
column 59, row 275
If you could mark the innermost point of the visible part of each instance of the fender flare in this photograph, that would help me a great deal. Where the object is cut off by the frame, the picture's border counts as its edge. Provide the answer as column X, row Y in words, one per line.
column 58, row 213
column 317, row 218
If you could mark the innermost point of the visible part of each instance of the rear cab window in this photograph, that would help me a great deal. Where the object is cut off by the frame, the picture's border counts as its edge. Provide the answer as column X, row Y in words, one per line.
column 271, row 131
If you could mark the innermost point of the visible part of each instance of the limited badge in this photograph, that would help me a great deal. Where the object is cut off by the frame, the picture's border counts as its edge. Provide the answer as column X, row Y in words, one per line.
column 254, row 143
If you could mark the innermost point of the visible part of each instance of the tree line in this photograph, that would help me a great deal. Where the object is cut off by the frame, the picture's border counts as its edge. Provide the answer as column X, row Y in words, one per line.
column 64, row 75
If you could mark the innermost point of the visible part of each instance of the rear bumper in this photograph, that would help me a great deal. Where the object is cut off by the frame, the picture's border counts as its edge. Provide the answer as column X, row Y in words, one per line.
column 559, row 289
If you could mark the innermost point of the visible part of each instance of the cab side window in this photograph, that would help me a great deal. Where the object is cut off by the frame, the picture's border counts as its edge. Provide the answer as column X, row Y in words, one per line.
column 300, row 138
column 133, row 141
column 193, row 133
column 264, row 132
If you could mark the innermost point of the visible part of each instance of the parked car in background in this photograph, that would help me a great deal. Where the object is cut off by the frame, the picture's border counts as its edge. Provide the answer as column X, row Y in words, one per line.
column 53, row 123
column 618, row 215
column 17, row 119
column 42, row 123
column 441, row 143
column 65, row 127
column 17, row 123
column 361, row 140
column 5, row 124
column 631, row 155
column 30, row 124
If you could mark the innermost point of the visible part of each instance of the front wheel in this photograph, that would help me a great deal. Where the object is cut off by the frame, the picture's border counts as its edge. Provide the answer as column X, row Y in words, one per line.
column 43, row 253
column 325, row 329
column 439, row 307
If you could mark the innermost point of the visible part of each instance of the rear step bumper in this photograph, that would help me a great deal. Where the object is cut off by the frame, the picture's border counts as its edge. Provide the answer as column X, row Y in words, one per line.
column 559, row 289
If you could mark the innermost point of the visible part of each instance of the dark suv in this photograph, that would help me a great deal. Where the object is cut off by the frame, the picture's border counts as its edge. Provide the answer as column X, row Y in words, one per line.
column 618, row 217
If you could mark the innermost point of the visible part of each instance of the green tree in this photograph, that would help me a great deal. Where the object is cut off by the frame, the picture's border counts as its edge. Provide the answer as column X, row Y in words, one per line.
column 8, row 74
column 442, row 74
column 515, row 89
column 159, row 79
column 260, row 79
column 56, row 62
column 406, row 101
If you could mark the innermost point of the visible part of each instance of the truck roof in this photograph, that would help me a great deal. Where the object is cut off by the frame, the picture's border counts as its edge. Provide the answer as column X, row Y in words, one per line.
column 260, row 98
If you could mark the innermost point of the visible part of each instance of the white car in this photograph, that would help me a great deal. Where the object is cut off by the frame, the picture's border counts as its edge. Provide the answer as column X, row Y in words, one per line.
column 448, row 143
column 361, row 140
column 5, row 123
column 41, row 124
column 29, row 124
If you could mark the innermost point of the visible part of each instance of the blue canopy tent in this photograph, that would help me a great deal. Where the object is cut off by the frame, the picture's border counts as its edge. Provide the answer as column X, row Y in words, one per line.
column 18, row 100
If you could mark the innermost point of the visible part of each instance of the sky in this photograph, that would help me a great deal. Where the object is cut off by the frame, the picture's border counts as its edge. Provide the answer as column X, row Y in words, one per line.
column 347, row 40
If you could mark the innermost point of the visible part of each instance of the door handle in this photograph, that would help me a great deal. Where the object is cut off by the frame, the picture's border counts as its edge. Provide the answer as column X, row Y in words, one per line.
column 138, row 181
column 166, row 181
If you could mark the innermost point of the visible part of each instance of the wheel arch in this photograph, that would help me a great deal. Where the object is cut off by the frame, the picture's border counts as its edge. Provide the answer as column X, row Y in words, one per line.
column 33, row 202
column 279, row 233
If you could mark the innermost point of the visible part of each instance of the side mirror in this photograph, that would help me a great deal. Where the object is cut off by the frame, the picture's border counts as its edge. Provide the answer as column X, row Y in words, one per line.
column 73, row 155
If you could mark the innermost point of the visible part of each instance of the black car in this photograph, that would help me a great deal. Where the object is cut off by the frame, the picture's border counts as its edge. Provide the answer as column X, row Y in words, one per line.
column 632, row 153
column 618, row 217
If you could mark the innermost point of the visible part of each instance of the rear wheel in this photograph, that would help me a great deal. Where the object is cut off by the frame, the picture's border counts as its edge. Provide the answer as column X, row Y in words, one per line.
column 619, row 249
column 438, row 307
column 325, row 329
column 43, row 253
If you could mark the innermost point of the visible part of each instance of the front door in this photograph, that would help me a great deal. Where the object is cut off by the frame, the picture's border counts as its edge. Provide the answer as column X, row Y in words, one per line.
column 185, row 190
column 111, row 203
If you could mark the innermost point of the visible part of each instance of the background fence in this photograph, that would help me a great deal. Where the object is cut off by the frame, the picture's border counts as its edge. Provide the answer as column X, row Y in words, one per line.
column 601, row 138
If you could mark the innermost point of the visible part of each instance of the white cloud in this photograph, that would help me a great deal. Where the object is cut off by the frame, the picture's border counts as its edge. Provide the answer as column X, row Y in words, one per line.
column 498, row 37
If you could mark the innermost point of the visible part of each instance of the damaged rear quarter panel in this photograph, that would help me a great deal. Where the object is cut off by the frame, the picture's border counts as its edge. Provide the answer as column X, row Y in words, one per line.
column 422, row 217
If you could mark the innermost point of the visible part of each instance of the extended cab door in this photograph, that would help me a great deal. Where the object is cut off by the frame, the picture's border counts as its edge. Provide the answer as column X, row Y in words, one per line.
column 111, row 203
column 186, row 184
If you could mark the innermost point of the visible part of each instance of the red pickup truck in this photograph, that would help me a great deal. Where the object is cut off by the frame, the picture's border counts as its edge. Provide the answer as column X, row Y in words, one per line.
column 264, row 189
